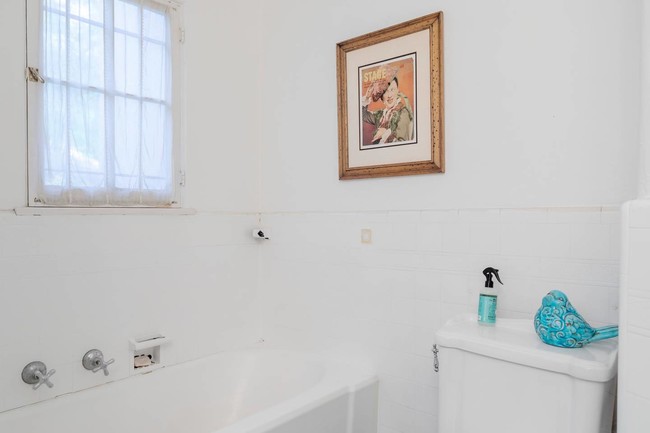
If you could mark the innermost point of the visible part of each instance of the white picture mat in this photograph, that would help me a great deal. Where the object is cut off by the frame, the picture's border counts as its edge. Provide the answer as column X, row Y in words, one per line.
column 416, row 42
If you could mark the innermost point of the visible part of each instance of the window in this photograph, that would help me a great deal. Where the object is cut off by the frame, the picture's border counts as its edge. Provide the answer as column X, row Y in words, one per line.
column 103, row 105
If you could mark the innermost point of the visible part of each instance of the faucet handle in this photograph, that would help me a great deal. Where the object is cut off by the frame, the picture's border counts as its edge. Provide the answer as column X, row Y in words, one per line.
column 104, row 366
column 36, row 374
column 93, row 360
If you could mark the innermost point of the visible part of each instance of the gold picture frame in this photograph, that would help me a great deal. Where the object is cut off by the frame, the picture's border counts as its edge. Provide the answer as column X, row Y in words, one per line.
column 390, row 101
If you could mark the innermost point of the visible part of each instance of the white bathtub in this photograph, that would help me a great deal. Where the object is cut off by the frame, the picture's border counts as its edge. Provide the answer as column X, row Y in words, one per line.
column 239, row 392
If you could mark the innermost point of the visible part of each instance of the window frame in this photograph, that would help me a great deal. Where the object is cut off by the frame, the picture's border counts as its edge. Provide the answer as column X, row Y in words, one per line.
column 33, row 18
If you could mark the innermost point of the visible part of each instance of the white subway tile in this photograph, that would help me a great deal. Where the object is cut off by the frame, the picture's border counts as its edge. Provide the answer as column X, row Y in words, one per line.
column 427, row 314
column 425, row 338
column 611, row 215
column 640, row 214
column 425, row 423
column 403, row 236
column 519, row 216
column 455, row 288
column 639, row 257
column 591, row 241
column 456, row 238
column 425, row 372
column 445, row 216
column 397, row 416
column 636, row 413
column 405, row 217
column 585, row 215
column 638, row 312
column 428, row 285
column 427, row 399
column 429, row 237
column 444, row 262
column 554, row 241
column 480, row 216
column 398, row 391
column 519, row 239
column 485, row 239
column 637, row 355
column 398, row 364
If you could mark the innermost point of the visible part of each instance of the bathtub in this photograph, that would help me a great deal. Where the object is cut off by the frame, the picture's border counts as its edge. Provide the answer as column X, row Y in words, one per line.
column 252, row 391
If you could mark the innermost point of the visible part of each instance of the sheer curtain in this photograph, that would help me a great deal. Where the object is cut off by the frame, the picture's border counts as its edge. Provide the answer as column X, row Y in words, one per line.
column 105, row 134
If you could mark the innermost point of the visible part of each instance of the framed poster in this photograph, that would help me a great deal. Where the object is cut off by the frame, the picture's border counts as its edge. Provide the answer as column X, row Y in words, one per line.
column 390, row 101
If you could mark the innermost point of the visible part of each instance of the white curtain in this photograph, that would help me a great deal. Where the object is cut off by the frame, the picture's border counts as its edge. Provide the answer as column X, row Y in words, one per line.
column 106, row 123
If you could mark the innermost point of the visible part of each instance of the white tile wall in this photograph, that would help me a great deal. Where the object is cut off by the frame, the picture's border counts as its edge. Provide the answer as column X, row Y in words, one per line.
column 195, row 279
column 383, row 302
column 74, row 283
column 634, row 377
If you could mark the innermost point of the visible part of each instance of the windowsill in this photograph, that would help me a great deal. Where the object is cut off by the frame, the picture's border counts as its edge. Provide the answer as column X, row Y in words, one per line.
column 46, row 211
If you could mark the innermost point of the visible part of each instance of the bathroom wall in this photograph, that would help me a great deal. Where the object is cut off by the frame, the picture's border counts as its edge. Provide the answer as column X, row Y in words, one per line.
column 541, row 105
column 69, row 284
column 541, row 114
column 634, row 394
column 381, row 303
column 541, row 130
column 634, row 381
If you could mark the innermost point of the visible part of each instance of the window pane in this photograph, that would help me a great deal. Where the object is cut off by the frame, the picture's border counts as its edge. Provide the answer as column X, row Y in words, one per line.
column 96, row 10
column 55, row 157
column 57, row 5
column 154, row 26
column 86, row 63
column 79, row 8
column 156, row 163
column 127, row 64
column 55, row 46
column 127, row 17
column 154, row 71
column 127, row 143
column 86, row 134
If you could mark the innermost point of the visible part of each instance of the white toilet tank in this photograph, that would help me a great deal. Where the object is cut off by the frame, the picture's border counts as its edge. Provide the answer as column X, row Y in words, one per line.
column 503, row 379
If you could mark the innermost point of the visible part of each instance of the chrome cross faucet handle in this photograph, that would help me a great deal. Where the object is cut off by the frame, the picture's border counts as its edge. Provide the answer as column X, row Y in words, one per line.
column 35, row 373
column 93, row 360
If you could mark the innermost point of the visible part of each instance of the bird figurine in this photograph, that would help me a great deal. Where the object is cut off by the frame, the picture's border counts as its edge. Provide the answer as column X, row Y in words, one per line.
column 557, row 323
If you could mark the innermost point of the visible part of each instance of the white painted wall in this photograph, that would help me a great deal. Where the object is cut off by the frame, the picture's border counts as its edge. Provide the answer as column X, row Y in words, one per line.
column 70, row 284
column 644, row 104
column 541, row 104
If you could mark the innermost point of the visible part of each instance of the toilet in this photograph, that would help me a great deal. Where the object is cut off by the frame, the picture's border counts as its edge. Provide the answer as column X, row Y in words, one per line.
column 503, row 379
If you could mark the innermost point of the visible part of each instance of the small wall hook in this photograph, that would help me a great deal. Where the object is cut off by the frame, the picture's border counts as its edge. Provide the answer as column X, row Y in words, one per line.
column 259, row 234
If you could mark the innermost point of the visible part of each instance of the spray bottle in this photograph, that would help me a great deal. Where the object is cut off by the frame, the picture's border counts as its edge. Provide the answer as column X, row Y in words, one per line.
column 487, row 301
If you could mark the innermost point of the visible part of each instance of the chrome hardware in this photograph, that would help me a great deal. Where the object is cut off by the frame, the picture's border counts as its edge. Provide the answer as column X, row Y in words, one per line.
column 436, row 363
column 33, row 74
column 35, row 373
column 93, row 360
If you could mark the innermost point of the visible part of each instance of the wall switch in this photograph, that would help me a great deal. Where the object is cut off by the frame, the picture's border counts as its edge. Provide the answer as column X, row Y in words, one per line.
column 366, row 236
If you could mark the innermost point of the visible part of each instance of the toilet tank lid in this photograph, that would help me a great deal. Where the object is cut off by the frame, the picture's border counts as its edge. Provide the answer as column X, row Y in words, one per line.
column 515, row 340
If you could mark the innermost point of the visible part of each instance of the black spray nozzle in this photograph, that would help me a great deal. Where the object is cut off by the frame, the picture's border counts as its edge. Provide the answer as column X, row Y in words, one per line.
column 488, row 272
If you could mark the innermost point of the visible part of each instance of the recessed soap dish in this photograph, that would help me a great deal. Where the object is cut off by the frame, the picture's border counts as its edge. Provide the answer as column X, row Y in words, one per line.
column 146, row 352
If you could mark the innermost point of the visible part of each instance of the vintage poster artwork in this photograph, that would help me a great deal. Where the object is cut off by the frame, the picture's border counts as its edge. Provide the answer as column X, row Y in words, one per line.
column 390, row 101
column 387, row 92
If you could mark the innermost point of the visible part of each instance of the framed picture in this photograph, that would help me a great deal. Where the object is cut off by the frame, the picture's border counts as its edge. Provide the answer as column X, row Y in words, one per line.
column 390, row 101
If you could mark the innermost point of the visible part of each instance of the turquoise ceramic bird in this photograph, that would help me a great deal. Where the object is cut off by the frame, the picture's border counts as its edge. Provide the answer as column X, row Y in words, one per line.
column 557, row 323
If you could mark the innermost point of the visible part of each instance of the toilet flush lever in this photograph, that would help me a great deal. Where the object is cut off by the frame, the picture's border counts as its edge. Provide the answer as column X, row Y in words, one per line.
column 436, row 363
column 93, row 360
column 36, row 374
